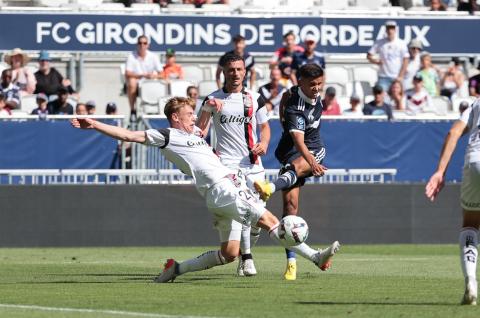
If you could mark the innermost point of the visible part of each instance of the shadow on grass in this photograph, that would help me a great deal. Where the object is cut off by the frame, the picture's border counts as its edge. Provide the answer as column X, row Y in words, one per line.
column 373, row 303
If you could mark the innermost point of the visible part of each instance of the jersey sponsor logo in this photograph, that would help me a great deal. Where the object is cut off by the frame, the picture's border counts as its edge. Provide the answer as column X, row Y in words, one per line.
column 235, row 119
column 300, row 123
column 197, row 143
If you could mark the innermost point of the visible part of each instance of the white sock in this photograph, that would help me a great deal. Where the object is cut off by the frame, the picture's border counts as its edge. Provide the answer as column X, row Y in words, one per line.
column 468, row 241
column 202, row 262
column 254, row 235
column 302, row 249
column 245, row 241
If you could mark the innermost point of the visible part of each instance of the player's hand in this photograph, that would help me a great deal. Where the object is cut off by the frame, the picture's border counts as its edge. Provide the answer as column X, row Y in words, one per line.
column 66, row 82
column 434, row 185
column 318, row 170
column 216, row 104
column 260, row 149
column 82, row 123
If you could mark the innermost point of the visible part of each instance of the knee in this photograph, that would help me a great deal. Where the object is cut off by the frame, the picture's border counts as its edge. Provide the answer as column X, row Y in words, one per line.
column 229, row 256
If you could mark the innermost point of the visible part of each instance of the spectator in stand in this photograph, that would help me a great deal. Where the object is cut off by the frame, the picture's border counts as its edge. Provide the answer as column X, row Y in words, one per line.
column 437, row 5
column 172, row 70
column 272, row 92
column 10, row 91
column 111, row 108
column 239, row 49
column 396, row 96
column 48, row 78
column 141, row 64
column 453, row 79
column 414, row 48
column 81, row 109
column 192, row 92
column 418, row 99
column 42, row 101
column 60, row 106
column 4, row 109
column 392, row 56
column 467, row 5
column 474, row 83
column 283, row 57
column 378, row 107
column 91, row 107
column 463, row 106
column 329, row 102
column 355, row 107
column 307, row 57
column 21, row 75
column 430, row 74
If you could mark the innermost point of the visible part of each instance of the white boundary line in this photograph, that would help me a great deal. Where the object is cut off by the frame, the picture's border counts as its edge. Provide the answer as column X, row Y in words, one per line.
column 95, row 311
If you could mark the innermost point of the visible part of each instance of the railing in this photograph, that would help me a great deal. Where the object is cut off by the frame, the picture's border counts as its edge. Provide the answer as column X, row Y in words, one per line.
column 169, row 176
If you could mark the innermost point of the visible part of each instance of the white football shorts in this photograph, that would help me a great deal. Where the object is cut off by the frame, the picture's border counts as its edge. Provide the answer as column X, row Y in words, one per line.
column 232, row 206
column 470, row 191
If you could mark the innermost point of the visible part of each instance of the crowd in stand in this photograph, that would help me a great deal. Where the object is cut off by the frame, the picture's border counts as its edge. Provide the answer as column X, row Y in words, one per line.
column 408, row 81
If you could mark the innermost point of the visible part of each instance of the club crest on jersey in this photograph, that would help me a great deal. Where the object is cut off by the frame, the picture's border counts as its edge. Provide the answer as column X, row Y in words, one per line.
column 300, row 123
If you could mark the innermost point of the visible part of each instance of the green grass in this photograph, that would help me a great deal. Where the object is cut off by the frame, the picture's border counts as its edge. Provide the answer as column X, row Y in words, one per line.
column 365, row 281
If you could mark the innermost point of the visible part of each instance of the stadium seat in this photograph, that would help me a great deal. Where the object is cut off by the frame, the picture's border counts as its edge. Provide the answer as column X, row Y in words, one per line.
column 122, row 75
column 51, row 3
column 86, row 3
column 150, row 93
column 354, row 87
column 371, row 4
column 365, row 73
column 216, row 8
column 264, row 4
column 456, row 102
column 337, row 74
column 179, row 87
column 334, row 4
column 207, row 87
column 441, row 105
column 193, row 73
column 148, row 7
column 299, row 5
column 28, row 103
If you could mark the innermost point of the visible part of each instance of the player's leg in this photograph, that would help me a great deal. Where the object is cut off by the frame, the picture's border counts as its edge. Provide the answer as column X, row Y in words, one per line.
column 295, row 169
column 132, row 91
column 468, row 239
column 321, row 258
column 250, row 234
column 290, row 207
column 229, row 231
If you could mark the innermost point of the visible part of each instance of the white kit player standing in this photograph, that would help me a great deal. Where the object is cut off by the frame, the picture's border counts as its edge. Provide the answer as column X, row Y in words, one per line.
column 236, row 112
column 469, row 122
column 228, row 200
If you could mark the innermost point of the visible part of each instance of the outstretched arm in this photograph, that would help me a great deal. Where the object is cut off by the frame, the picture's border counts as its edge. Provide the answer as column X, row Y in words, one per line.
column 437, row 181
column 116, row 132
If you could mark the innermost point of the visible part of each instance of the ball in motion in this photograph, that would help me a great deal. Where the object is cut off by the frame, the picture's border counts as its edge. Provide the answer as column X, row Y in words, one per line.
column 293, row 230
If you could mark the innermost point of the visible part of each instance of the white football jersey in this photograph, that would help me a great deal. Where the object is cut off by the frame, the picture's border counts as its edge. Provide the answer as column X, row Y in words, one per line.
column 236, row 125
column 471, row 117
column 191, row 154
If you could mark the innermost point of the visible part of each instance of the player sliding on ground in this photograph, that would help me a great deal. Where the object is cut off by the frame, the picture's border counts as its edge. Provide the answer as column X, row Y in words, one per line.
column 300, row 149
column 469, row 122
column 226, row 194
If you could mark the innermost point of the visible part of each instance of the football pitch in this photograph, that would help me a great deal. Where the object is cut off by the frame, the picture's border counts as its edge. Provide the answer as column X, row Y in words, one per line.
column 365, row 281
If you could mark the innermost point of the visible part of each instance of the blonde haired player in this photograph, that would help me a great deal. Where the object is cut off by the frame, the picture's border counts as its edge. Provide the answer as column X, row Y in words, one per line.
column 469, row 122
column 226, row 196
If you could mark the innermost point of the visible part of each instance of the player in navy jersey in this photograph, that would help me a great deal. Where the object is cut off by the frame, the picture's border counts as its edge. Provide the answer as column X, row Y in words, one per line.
column 301, row 149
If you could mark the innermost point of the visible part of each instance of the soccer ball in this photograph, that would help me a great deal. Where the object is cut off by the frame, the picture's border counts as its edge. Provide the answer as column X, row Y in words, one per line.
column 293, row 230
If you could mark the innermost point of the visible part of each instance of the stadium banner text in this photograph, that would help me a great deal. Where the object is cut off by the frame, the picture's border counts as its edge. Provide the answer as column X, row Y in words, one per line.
column 201, row 34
